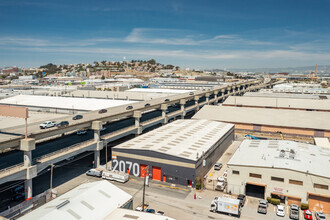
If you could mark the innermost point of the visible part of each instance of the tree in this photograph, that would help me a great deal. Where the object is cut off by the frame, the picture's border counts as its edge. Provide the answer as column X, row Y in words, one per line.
column 169, row 67
column 103, row 62
column 152, row 62
column 103, row 77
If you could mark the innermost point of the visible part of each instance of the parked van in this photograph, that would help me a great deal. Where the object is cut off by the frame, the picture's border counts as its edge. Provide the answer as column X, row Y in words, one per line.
column 115, row 176
column 94, row 172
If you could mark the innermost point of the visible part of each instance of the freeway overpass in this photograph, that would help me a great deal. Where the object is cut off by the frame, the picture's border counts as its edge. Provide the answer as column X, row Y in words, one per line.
column 31, row 167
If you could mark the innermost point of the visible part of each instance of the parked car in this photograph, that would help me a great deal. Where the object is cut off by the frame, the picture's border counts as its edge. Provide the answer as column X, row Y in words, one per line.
column 62, row 123
column 81, row 132
column 262, row 207
column 320, row 216
column 147, row 105
column 151, row 211
column 308, row 214
column 129, row 107
column 242, row 198
column 77, row 117
column 280, row 211
column 294, row 211
column 94, row 172
column 102, row 111
column 160, row 213
column 47, row 124
column 217, row 166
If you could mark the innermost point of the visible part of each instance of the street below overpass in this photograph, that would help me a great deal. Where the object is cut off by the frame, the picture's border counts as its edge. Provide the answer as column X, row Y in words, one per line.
column 66, row 170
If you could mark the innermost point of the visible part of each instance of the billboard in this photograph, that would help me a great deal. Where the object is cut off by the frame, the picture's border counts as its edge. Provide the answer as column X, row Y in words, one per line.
column 13, row 111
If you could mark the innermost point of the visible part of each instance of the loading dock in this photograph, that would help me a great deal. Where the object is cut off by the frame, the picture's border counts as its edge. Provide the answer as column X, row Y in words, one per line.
column 255, row 190
column 318, row 202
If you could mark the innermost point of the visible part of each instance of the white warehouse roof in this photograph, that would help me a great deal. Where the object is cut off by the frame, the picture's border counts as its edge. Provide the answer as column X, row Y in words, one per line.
column 181, row 138
column 88, row 104
column 263, row 116
column 94, row 200
column 176, row 91
column 126, row 214
column 307, row 158
column 316, row 104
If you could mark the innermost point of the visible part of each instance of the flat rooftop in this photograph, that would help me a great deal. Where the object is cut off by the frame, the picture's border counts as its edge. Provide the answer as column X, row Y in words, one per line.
column 94, row 200
column 87, row 104
column 286, row 95
column 267, row 153
column 263, row 116
column 181, row 138
column 275, row 102
column 126, row 214
column 175, row 91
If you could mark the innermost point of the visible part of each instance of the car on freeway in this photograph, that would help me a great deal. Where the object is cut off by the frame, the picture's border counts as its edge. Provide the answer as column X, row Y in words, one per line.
column 62, row 124
column 294, row 211
column 81, row 132
column 308, row 214
column 103, row 128
column 160, row 213
column 280, row 211
column 241, row 198
column 47, row 124
column 129, row 107
column 191, row 93
column 151, row 211
column 147, row 105
column 320, row 216
column 166, row 100
column 102, row 111
column 18, row 197
column 77, row 117
column 217, row 166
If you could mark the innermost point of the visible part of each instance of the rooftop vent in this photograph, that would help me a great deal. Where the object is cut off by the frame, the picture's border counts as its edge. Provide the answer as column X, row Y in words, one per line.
column 282, row 153
column 292, row 154
column 62, row 204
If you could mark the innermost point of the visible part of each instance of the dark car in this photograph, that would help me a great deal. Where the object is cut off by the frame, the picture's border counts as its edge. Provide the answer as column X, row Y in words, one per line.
column 62, row 123
column 129, row 107
column 151, row 211
column 147, row 105
column 102, row 111
column 18, row 197
column 77, row 117
column 241, row 198
column 166, row 100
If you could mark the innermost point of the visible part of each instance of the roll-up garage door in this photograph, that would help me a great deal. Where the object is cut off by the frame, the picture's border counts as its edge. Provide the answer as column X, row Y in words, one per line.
column 255, row 190
column 156, row 173
column 143, row 170
column 319, row 203
column 294, row 200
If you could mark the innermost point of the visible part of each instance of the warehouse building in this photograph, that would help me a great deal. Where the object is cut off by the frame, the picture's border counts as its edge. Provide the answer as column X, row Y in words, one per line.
column 304, row 123
column 264, row 93
column 279, row 103
column 179, row 153
column 291, row 171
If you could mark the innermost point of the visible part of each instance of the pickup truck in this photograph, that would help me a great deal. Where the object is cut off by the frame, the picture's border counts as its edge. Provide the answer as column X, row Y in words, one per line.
column 144, row 209
column 47, row 124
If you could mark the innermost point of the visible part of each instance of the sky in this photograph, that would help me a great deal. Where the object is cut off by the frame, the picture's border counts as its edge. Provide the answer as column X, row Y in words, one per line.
column 204, row 34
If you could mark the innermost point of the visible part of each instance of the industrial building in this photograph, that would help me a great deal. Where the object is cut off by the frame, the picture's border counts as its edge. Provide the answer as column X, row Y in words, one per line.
column 279, row 103
column 62, row 104
column 179, row 153
column 304, row 123
column 291, row 171
column 264, row 93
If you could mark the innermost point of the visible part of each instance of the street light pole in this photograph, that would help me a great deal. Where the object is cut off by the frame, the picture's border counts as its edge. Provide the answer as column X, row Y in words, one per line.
column 51, row 180
column 106, row 157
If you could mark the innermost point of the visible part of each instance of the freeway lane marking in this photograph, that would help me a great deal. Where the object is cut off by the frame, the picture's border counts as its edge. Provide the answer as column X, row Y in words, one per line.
column 174, row 187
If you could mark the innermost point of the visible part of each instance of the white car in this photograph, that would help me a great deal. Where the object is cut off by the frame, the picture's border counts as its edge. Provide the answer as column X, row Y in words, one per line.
column 47, row 124
column 280, row 211
column 81, row 132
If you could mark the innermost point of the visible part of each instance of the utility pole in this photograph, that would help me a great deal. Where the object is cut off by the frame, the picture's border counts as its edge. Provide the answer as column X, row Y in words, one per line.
column 51, row 180
column 106, row 157
column 144, row 185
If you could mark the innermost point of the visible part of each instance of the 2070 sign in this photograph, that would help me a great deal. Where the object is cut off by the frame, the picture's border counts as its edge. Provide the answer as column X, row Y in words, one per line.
column 122, row 166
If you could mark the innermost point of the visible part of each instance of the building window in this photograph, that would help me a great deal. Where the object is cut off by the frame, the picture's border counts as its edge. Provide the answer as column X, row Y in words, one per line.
column 255, row 175
column 321, row 186
column 236, row 172
column 277, row 179
column 296, row 182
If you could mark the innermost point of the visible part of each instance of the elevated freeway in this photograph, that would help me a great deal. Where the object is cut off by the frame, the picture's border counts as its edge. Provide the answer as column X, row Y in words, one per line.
column 183, row 103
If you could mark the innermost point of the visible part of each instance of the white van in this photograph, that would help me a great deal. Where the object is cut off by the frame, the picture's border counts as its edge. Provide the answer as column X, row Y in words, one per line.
column 115, row 175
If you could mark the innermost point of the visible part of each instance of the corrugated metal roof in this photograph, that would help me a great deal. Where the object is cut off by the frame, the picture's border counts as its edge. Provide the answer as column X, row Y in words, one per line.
column 263, row 116
column 174, row 143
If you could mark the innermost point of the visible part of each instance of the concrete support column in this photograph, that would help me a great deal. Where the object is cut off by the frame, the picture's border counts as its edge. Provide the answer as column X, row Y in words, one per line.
column 163, row 107
column 196, row 98
column 28, row 145
column 207, row 96
column 137, row 115
column 96, row 158
column 183, row 112
column 97, row 126
column 215, row 98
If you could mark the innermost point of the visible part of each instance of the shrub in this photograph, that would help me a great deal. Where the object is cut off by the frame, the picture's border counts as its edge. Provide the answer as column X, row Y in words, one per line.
column 198, row 185
column 275, row 201
column 304, row 206
column 269, row 199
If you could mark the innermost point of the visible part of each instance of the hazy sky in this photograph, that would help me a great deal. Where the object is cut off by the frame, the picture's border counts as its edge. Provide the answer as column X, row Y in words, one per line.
column 196, row 34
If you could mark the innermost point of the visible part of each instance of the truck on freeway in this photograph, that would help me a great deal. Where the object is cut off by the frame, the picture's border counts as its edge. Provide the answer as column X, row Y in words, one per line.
column 47, row 124
column 226, row 205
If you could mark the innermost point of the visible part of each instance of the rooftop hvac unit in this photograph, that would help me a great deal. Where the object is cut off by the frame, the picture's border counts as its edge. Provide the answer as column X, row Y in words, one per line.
column 292, row 154
column 282, row 153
